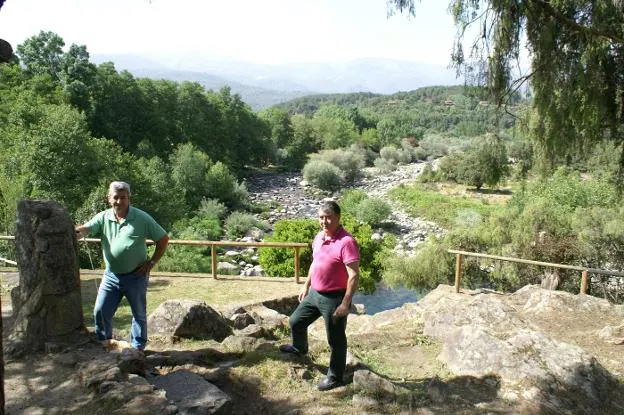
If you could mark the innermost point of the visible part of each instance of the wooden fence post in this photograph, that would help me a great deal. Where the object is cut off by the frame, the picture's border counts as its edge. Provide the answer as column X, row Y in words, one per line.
column 458, row 268
column 213, row 255
column 296, row 265
column 1, row 366
column 584, row 282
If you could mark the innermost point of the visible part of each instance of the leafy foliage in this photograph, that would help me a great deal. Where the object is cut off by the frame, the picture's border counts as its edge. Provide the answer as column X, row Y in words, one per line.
column 239, row 223
column 577, row 66
column 280, row 262
column 323, row 175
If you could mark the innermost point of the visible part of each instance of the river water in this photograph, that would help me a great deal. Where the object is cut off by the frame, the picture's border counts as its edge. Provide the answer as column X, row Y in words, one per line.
column 386, row 298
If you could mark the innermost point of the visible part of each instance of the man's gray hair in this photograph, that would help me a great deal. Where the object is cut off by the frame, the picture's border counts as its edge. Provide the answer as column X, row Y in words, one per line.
column 117, row 186
column 329, row 206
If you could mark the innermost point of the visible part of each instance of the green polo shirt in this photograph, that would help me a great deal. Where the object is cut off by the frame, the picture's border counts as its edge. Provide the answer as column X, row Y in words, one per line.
column 123, row 244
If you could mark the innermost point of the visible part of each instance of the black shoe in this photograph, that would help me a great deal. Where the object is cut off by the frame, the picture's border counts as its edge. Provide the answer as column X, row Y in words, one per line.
column 289, row 348
column 328, row 383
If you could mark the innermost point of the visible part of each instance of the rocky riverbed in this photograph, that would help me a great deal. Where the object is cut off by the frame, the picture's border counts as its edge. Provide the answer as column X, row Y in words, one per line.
column 291, row 198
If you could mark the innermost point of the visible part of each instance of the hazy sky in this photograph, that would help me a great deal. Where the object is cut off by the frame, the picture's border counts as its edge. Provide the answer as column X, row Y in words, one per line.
column 263, row 31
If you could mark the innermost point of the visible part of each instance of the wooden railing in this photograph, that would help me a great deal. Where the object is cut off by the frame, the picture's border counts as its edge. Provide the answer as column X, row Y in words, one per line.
column 584, row 270
column 296, row 246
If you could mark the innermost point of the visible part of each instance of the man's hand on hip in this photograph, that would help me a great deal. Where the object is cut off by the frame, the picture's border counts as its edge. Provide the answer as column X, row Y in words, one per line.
column 146, row 267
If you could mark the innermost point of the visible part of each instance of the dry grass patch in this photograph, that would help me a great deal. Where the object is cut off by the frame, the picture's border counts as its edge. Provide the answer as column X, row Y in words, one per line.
column 217, row 293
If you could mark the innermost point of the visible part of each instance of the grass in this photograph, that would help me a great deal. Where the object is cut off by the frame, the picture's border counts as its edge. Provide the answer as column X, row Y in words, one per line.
column 425, row 201
column 216, row 293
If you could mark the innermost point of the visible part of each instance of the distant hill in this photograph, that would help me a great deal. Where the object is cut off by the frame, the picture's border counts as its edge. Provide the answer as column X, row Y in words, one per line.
column 405, row 100
column 257, row 97
column 263, row 85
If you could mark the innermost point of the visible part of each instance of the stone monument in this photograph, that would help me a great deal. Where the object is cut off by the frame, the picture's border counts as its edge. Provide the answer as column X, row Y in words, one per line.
column 47, row 304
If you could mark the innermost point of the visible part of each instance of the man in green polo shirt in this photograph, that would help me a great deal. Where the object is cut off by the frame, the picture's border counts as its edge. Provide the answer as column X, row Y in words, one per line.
column 124, row 230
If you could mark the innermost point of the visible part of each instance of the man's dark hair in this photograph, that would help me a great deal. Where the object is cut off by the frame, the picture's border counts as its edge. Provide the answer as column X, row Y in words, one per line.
column 330, row 206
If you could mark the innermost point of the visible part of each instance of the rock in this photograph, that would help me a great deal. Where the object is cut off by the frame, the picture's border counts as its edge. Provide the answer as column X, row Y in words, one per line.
column 241, row 320
column 370, row 384
column 229, row 311
column 255, row 271
column 358, row 309
column 483, row 334
column 242, row 344
column 132, row 361
column 269, row 318
column 437, row 391
column 226, row 268
column 178, row 358
column 47, row 303
column 255, row 331
column 154, row 403
column 255, row 233
column 191, row 394
column 284, row 305
column 612, row 334
column 188, row 319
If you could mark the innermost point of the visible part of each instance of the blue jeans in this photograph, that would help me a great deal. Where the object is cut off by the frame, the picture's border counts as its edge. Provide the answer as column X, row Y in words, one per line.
column 112, row 288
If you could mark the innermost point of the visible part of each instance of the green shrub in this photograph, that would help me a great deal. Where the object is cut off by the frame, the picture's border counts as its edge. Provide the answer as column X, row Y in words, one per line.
column 280, row 262
column 323, row 175
column 211, row 208
column 431, row 266
column 350, row 199
column 390, row 153
column 221, row 184
column 239, row 223
column 385, row 166
column 191, row 258
column 373, row 211
column 428, row 175
column 349, row 162
column 419, row 154
column 200, row 228
column 405, row 156
column 371, row 252
column 447, row 167
column 186, row 259
column 433, row 148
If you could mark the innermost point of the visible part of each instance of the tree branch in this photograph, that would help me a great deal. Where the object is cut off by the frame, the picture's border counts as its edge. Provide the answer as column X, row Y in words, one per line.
column 570, row 23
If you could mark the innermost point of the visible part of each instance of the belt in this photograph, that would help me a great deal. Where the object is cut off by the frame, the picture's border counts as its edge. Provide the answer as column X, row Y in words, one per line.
column 120, row 274
column 334, row 293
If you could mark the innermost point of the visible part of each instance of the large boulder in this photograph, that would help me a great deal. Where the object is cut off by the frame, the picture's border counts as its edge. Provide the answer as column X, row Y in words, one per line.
column 483, row 332
column 188, row 319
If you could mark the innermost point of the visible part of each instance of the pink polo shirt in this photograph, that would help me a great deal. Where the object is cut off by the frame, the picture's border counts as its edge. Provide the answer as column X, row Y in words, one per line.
column 328, row 271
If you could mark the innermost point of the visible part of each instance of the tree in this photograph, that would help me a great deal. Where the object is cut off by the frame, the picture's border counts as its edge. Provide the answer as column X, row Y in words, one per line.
column 577, row 64
column 485, row 163
column 42, row 54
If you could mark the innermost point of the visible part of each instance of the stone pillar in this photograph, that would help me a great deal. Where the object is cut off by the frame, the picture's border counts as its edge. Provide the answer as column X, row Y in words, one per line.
column 47, row 304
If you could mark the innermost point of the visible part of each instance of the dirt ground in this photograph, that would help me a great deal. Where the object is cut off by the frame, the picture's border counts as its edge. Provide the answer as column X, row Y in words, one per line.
column 268, row 383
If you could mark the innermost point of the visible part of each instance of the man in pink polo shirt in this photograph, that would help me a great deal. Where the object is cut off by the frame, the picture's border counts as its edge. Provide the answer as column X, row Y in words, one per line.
column 332, row 281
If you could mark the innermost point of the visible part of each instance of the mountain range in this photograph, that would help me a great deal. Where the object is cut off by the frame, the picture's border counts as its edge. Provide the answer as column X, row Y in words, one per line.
column 263, row 85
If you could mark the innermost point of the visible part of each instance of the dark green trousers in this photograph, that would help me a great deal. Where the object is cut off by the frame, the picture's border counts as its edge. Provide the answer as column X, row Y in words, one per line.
column 313, row 306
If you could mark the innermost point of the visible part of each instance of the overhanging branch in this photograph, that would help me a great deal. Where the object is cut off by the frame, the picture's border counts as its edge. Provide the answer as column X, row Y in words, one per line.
column 573, row 25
